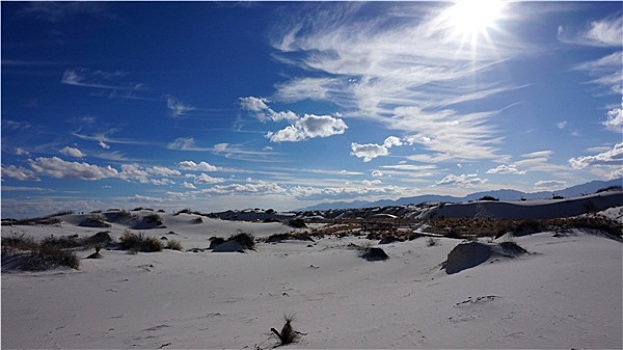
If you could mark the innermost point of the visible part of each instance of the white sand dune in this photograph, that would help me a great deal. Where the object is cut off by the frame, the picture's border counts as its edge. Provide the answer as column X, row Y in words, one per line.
column 536, row 209
column 565, row 293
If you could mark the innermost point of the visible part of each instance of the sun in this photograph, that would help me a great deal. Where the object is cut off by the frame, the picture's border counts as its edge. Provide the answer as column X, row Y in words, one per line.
column 470, row 20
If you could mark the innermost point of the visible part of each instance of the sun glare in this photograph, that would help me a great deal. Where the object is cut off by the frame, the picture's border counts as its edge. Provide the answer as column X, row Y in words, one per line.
column 471, row 19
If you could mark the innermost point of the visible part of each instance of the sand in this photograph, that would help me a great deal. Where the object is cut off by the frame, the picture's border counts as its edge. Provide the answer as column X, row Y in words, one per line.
column 565, row 292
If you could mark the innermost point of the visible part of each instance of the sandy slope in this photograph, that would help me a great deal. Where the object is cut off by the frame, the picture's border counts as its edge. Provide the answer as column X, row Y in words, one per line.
column 565, row 294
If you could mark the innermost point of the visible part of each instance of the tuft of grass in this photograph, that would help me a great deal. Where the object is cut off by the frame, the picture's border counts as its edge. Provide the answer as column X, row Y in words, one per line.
column 47, row 257
column 137, row 242
column 245, row 239
column 174, row 244
column 430, row 241
column 287, row 335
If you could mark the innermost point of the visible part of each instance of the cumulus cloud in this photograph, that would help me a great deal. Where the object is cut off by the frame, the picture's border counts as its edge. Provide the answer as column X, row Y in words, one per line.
column 310, row 126
column 189, row 186
column 201, row 166
column 463, row 180
column 377, row 173
column 614, row 121
column 561, row 125
column 19, row 173
column 368, row 188
column 204, row 179
column 72, row 152
column 613, row 157
column 505, row 169
column 370, row 151
column 61, row 169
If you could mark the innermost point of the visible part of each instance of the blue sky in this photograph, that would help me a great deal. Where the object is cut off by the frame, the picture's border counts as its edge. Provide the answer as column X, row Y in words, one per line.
column 216, row 106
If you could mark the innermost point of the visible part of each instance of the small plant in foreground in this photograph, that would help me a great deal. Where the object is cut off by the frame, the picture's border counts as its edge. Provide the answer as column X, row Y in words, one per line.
column 430, row 241
column 137, row 242
column 46, row 257
column 174, row 244
column 287, row 335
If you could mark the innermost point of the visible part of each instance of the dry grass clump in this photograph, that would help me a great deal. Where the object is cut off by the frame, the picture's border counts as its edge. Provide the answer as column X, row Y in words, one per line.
column 138, row 242
column 47, row 257
column 173, row 244
column 245, row 239
column 38, row 256
column 462, row 228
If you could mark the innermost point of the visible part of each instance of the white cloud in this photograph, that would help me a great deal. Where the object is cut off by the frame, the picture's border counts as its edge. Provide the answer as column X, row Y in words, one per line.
column 83, row 77
column 61, row 169
column 263, row 112
column 605, row 33
column 72, row 152
column 19, row 151
column 613, row 157
column 614, row 121
column 370, row 151
column 104, row 145
column 399, row 59
column 19, row 173
column 549, row 185
column 189, row 186
column 201, row 166
column 561, row 125
column 505, row 169
column 178, row 107
column 608, row 71
column 377, row 173
column 204, row 179
column 310, row 126
column 183, row 144
column 463, row 180
column 305, row 88
column 258, row 188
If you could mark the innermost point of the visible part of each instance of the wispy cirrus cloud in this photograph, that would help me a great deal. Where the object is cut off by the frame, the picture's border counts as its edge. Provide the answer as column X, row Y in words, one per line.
column 178, row 107
column 608, row 71
column 605, row 32
column 400, row 69
column 84, row 77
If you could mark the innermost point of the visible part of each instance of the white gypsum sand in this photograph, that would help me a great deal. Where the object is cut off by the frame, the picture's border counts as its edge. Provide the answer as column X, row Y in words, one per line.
column 566, row 293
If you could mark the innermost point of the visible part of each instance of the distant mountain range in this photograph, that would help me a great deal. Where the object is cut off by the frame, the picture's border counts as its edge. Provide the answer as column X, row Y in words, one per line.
column 503, row 195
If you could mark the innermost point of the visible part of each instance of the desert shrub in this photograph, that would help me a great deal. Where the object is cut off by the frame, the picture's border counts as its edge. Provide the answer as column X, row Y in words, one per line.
column 196, row 220
column 430, row 241
column 98, row 239
column 602, row 224
column 609, row 188
column 154, row 219
column 374, row 254
column 173, row 244
column 216, row 241
column 47, row 257
column 245, row 239
column 488, row 198
column 297, row 223
column 62, row 242
column 287, row 335
column 183, row 211
column 95, row 221
column 20, row 242
column 137, row 242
